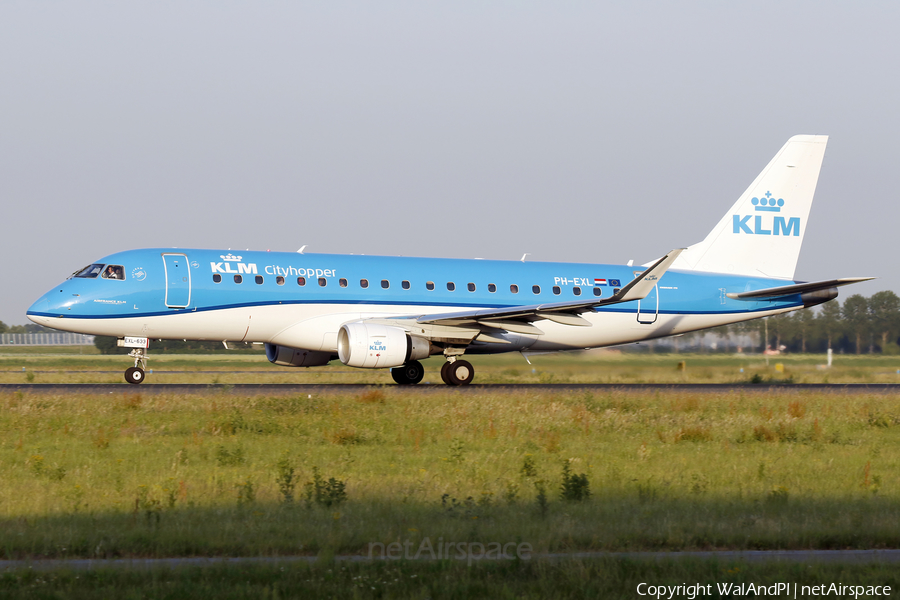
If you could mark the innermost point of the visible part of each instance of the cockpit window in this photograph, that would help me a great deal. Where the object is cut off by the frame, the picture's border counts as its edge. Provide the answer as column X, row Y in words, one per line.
column 89, row 272
column 114, row 272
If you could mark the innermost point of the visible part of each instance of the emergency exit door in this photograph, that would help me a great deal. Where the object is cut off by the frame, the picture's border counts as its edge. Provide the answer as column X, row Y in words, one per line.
column 178, row 280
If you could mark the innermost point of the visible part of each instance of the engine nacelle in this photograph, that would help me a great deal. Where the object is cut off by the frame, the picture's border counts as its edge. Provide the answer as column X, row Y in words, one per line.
column 373, row 346
column 294, row 357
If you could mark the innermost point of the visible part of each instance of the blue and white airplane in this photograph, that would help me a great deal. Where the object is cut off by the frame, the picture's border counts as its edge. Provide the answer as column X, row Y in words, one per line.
column 391, row 312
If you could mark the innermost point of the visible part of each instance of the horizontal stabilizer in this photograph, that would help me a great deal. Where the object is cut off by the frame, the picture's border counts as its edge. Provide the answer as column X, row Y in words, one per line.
column 798, row 288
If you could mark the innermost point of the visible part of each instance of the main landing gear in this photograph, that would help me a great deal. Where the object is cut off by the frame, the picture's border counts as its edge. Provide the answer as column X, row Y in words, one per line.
column 135, row 374
column 409, row 374
column 454, row 372
column 457, row 372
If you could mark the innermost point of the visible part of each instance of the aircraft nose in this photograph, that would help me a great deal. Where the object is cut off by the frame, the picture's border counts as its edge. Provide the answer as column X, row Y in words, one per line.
column 37, row 311
column 52, row 304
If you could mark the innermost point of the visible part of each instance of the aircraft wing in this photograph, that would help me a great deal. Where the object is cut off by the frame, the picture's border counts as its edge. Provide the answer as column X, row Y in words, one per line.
column 566, row 313
column 797, row 288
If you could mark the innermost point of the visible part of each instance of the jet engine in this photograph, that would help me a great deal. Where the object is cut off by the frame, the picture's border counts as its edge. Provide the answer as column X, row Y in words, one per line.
column 373, row 346
column 295, row 357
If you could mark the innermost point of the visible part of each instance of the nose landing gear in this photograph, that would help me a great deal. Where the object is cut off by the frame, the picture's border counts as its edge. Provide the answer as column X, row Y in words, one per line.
column 135, row 374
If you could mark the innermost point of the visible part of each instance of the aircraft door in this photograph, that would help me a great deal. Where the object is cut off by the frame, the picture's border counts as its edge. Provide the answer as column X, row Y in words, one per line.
column 178, row 280
column 648, row 308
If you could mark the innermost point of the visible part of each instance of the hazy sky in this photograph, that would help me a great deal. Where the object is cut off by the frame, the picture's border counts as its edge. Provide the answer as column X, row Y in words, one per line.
column 595, row 131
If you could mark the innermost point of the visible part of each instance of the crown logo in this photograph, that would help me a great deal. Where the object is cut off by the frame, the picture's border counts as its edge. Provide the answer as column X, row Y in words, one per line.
column 229, row 257
column 767, row 203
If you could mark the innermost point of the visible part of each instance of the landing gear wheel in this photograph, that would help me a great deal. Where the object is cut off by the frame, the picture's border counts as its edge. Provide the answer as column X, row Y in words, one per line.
column 460, row 372
column 134, row 375
column 444, row 376
column 409, row 374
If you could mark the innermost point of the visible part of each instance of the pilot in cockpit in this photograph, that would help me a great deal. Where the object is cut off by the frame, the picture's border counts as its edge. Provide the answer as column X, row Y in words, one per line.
column 113, row 272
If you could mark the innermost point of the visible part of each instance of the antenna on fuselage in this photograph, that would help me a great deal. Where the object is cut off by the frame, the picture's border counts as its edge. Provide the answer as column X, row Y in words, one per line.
column 302, row 248
column 524, row 255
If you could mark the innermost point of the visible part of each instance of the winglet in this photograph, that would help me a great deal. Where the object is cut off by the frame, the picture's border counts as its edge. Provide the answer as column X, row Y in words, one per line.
column 643, row 284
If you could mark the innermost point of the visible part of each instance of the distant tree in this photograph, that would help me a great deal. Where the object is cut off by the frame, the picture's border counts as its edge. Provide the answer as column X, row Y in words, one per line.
column 782, row 327
column 3, row 327
column 884, row 309
column 30, row 328
column 829, row 321
column 856, row 314
column 804, row 326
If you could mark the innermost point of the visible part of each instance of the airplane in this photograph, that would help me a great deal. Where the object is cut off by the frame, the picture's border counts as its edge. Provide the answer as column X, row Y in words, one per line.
column 377, row 312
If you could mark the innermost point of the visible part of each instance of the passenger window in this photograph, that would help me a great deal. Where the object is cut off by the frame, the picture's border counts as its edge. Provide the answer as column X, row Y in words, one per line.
column 451, row 286
column 89, row 272
column 364, row 283
column 301, row 281
column 259, row 279
column 429, row 285
column 576, row 291
column 492, row 288
column 238, row 279
column 615, row 291
column 471, row 287
column 342, row 282
column 404, row 284
column 322, row 282
column 385, row 284
column 598, row 291
column 536, row 289
column 556, row 290
column 114, row 272
column 514, row 289
column 279, row 280
column 217, row 278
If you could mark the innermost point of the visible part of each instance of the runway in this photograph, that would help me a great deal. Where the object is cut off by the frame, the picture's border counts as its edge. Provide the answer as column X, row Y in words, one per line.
column 296, row 389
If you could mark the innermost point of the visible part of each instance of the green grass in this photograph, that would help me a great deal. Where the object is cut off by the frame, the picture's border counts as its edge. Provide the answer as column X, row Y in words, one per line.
column 130, row 475
column 439, row 580
column 598, row 366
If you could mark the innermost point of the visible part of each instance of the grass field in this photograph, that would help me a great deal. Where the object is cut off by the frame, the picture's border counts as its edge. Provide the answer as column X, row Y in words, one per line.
column 132, row 475
column 570, row 579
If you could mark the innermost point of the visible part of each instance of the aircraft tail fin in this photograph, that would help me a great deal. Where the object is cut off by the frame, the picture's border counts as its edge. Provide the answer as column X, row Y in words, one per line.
column 762, row 233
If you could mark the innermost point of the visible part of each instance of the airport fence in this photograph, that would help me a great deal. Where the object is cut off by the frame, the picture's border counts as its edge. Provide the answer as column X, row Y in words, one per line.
column 46, row 339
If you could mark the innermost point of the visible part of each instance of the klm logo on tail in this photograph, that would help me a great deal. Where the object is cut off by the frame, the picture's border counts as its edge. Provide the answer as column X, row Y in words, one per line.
column 776, row 225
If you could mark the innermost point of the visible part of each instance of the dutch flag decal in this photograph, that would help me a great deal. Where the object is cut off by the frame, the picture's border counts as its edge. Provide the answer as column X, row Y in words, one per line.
column 599, row 282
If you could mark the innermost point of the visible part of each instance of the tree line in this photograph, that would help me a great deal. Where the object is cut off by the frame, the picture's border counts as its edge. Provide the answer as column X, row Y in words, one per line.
column 30, row 328
column 860, row 325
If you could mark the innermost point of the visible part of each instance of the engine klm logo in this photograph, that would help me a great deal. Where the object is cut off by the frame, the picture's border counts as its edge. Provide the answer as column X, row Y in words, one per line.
column 377, row 346
column 760, row 224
